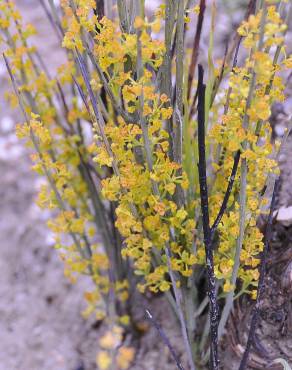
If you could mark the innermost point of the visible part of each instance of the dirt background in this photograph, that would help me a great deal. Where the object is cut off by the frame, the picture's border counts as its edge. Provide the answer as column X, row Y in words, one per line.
column 41, row 327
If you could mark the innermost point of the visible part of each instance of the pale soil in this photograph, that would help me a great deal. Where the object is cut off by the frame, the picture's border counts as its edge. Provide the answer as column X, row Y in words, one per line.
column 40, row 323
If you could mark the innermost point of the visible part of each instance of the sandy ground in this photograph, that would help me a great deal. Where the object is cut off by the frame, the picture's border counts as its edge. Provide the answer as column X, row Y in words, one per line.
column 41, row 326
column 40, row 323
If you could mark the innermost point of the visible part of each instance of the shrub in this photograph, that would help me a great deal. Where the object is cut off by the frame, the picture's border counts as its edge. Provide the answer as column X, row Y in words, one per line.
column 118, row 133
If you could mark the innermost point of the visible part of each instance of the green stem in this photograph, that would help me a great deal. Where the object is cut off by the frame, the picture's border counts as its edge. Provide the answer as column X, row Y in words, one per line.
column 123, row 15
column 165, row 73
column 178, row 121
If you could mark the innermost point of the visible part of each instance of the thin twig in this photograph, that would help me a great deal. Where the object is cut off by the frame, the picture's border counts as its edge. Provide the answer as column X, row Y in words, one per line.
column 56, row 19
column 179, row 83
column 96, row 110
column 164, row 339
column 237, row 38
column 81, row 93
column 101, row 124
column 36, row 146
column 227, row 193
column 196, row 45
column 116, row 103
column 165, row 73
column 227, row 57
column 214, row 310
column 52, row 21
column 262, row 271
column 179, row 109
column 123, row 15
column 222, row 151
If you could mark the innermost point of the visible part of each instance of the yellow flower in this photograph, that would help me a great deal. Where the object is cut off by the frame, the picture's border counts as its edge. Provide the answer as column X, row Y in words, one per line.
column 103, row 158
column 196, row 9
column 139, row 22
column 164, row 286
column 125, row 357
column 166, row 113
column 253, row 294
column 109, row 340
column 77, row 226
column 227, row 287
column 288, row 62
column 111, row 188
column 160, row 208
column 103, row 360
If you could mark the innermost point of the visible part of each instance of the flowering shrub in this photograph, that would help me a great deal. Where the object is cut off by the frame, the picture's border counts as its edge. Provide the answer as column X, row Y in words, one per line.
column 125, row 199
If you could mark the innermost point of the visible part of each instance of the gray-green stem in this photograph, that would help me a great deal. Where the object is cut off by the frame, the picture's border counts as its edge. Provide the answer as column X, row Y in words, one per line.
column 242, row 197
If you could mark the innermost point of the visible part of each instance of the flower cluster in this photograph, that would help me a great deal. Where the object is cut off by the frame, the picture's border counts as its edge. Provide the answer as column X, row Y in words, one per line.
column 253, row 141
column 55, row 128
column 146, row 210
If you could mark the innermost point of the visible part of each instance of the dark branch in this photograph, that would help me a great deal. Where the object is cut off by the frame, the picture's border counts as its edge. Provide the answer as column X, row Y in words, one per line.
column 202, row 153
column 227, row 193
column 99, row 11
column 214, row 310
